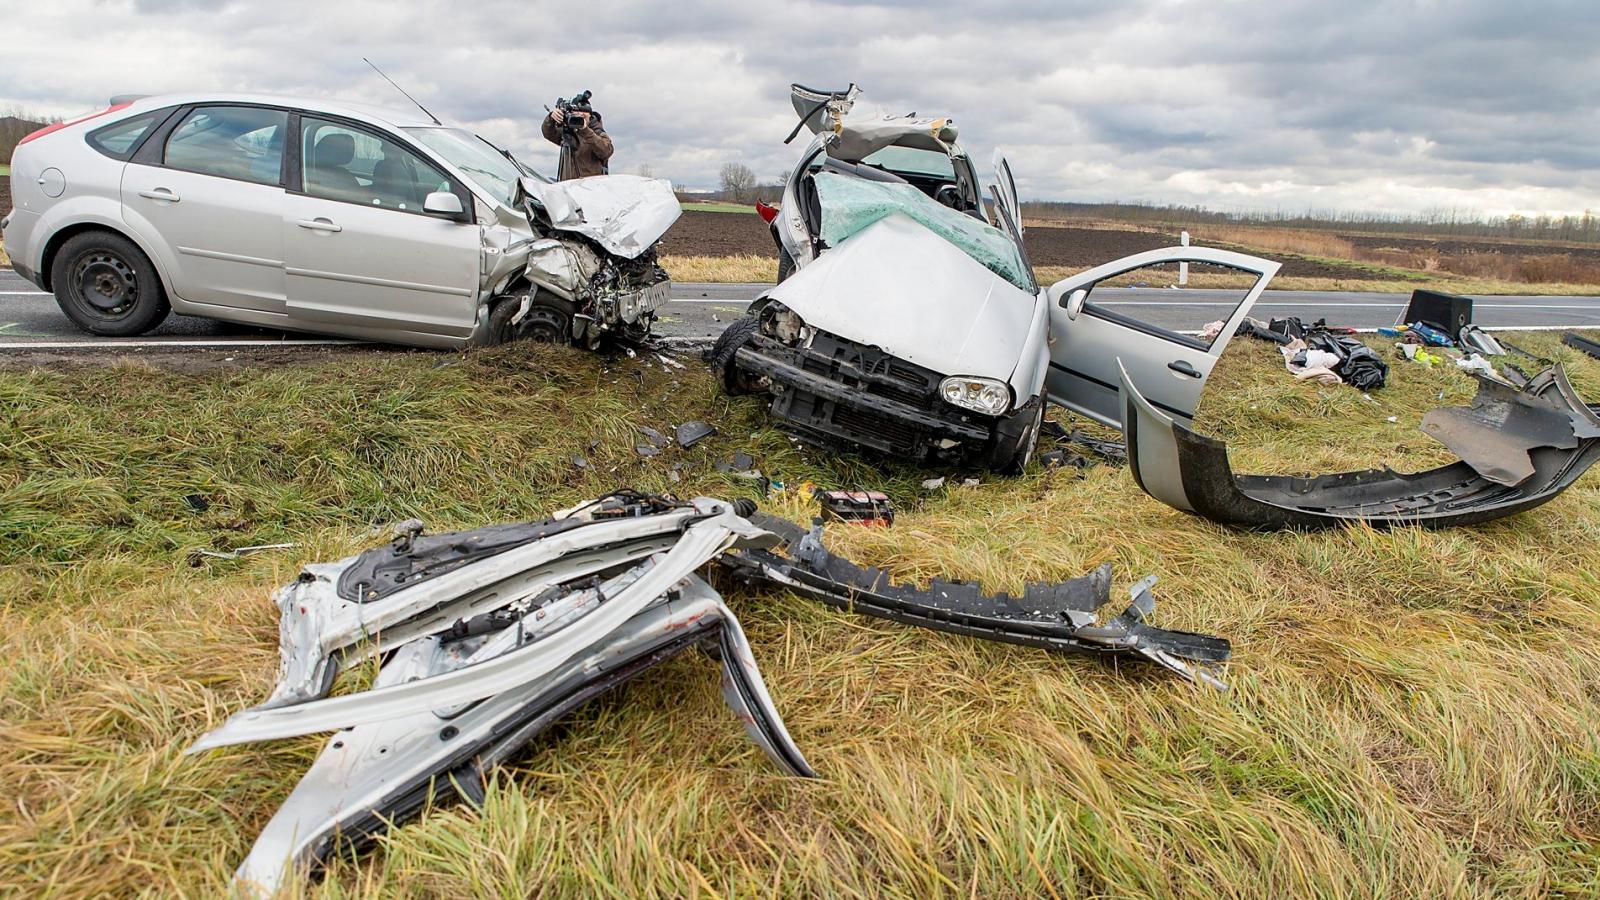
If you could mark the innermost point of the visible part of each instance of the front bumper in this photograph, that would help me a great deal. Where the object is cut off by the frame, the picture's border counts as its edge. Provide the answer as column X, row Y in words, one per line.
column 836, row 392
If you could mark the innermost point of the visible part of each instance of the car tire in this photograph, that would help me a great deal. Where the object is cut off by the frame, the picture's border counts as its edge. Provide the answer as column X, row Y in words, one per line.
column 785, row 265
column 736, row 335
column 549, row 320
column 107, row 286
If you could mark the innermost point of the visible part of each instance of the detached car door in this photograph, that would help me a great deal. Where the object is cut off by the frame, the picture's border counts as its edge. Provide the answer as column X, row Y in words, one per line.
column 206, row 194
column 1127, row 310
column 360, row 250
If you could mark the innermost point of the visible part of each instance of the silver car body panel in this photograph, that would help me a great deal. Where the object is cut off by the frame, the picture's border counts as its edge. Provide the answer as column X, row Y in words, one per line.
column 320, row 628
column 1171, row 368
column 718, row 529
column 369, row 775
column 625, row 214
column 1521, row 447
column 935, row 306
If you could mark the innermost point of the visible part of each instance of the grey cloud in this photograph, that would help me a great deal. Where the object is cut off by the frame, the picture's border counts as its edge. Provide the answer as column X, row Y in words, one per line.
column 1407, row 103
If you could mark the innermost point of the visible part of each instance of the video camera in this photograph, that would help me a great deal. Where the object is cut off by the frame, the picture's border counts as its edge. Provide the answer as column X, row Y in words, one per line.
column 578, row 104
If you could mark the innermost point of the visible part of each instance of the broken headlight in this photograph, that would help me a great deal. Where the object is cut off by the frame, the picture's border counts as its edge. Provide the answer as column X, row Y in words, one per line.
column 985, row 395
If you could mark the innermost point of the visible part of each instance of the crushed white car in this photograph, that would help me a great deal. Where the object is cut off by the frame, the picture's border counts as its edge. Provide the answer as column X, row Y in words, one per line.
column 908, row 321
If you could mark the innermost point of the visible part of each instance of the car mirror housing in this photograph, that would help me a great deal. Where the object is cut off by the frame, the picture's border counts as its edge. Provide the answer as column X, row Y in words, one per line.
column 442, row 203
column 1074, row 301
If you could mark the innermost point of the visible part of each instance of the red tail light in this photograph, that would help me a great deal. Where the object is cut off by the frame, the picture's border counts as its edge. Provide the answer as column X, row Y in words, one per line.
column 767, row 213
column 60, row 125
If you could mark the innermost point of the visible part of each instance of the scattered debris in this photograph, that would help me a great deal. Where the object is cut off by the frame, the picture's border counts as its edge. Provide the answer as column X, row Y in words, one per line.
column 646, row 450
column 933, row 484
column 1060, row 616
column 1581, row 344
column 858, row 507
column 243, row 551
column 580, row 462
column 492, row 635
column 655, row 437
column 691, row 433
column 1110, row 452
column 196, row 502
column 1519, row 449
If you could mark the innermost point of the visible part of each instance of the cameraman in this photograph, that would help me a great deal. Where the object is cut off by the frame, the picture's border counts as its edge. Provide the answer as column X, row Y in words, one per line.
column 585, row 146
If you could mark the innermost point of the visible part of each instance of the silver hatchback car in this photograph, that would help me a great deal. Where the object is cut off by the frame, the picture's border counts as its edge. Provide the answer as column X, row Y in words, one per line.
column 327, row 217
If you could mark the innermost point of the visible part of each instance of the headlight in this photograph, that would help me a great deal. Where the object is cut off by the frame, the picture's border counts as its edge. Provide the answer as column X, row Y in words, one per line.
column 985, row 395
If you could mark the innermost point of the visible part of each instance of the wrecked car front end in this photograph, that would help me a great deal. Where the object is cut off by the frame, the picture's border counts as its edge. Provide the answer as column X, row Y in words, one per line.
column 917, row 334
column 951, row 384
column 577, row 262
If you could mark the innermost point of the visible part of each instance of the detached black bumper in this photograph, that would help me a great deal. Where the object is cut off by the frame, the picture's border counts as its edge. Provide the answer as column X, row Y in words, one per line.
column 836, row 392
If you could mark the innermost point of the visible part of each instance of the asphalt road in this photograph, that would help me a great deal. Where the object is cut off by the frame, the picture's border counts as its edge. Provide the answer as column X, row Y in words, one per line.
column 29, row 318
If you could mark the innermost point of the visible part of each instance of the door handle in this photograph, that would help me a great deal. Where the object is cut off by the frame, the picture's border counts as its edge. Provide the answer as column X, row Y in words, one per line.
column 319, row 224
column 1183, row 367
column 160, row 194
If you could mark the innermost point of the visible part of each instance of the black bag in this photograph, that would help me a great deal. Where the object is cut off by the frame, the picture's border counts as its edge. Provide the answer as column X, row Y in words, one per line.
column 1359, row 365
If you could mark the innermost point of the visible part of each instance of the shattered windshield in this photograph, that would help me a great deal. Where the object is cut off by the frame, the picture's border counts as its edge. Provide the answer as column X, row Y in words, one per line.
column 475, row 157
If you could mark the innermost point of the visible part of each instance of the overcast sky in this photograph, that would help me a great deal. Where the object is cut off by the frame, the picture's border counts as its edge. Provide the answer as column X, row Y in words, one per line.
column 1404, row 106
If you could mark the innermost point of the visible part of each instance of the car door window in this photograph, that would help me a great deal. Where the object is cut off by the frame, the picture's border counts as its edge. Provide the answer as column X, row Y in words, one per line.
column 358, row 166
column 1145, row 299
column 240, row 142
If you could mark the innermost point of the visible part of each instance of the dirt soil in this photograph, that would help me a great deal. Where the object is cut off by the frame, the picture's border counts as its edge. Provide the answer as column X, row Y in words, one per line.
column 1451, row 246
column 718, row 234
column 733, row 234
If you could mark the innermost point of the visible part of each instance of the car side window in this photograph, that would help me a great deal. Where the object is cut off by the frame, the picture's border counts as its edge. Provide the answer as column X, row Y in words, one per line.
column 118, row 139
column 242, row 142
column 358, row 166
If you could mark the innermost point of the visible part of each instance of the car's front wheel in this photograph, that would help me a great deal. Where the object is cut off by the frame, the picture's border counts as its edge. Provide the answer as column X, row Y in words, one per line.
column 107, row 286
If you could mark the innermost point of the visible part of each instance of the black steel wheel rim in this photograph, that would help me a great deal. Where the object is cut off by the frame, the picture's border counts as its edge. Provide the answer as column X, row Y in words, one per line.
column 106, row 283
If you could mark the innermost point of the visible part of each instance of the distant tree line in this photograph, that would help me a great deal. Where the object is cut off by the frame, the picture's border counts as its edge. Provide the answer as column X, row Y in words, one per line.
column 17, row 123
column 1584, row 227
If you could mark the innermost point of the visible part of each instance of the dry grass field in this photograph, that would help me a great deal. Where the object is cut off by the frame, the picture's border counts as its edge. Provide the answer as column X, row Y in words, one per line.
column 1413, row 713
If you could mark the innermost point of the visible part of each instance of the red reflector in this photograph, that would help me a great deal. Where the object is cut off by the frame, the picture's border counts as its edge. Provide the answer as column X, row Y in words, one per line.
column 767, row 213
column 60, row 125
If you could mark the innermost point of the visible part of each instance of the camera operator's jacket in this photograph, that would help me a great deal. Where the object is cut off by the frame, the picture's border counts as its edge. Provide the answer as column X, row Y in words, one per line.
column 589, row 156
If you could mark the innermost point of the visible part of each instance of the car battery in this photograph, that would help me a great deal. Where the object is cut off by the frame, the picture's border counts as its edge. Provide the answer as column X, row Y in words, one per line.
column 859, row 507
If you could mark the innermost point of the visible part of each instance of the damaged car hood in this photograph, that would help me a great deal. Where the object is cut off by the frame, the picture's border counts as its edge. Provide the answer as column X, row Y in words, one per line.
column 625, row 214
column 936, row 307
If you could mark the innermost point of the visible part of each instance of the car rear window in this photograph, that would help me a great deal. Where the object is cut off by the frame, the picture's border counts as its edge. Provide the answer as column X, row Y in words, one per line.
column 119, row 139
column 240, row 142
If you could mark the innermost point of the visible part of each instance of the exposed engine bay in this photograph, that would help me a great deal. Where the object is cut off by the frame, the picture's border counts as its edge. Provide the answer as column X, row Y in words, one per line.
column 590, row 270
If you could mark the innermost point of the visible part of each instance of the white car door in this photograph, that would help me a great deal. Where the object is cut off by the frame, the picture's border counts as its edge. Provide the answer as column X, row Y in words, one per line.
column 359, row 249
column 1094, row 323
column 1005, row 185
column 211, row 206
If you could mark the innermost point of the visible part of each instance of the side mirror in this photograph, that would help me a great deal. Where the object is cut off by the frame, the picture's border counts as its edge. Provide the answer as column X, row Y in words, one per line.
column 1074, row 301
column 442, row 203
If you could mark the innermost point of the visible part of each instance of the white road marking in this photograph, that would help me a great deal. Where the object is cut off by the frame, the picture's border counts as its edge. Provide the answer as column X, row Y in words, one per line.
column 1399, row 303
column 25, row 294
column 195, row 343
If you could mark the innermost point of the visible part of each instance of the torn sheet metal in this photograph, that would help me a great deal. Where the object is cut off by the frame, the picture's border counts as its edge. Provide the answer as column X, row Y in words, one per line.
column 625, row 214
column 369, row 777
column 716, row 527
column 1520, row 449
column 491, row 635
column 1062, row 616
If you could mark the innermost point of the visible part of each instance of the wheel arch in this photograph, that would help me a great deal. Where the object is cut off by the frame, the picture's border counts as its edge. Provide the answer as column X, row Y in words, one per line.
column 68, row 232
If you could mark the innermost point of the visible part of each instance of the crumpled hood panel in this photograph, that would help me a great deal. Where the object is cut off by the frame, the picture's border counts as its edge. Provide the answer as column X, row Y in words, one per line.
column 900, row 287
column 625, row 214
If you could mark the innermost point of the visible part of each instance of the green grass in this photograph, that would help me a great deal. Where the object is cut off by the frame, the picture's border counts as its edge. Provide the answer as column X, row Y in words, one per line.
column 718, row 207
column 1414, row 714
column 5, row 170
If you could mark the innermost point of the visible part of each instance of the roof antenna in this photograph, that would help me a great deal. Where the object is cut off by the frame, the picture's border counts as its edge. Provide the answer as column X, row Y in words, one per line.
column 403, row 91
